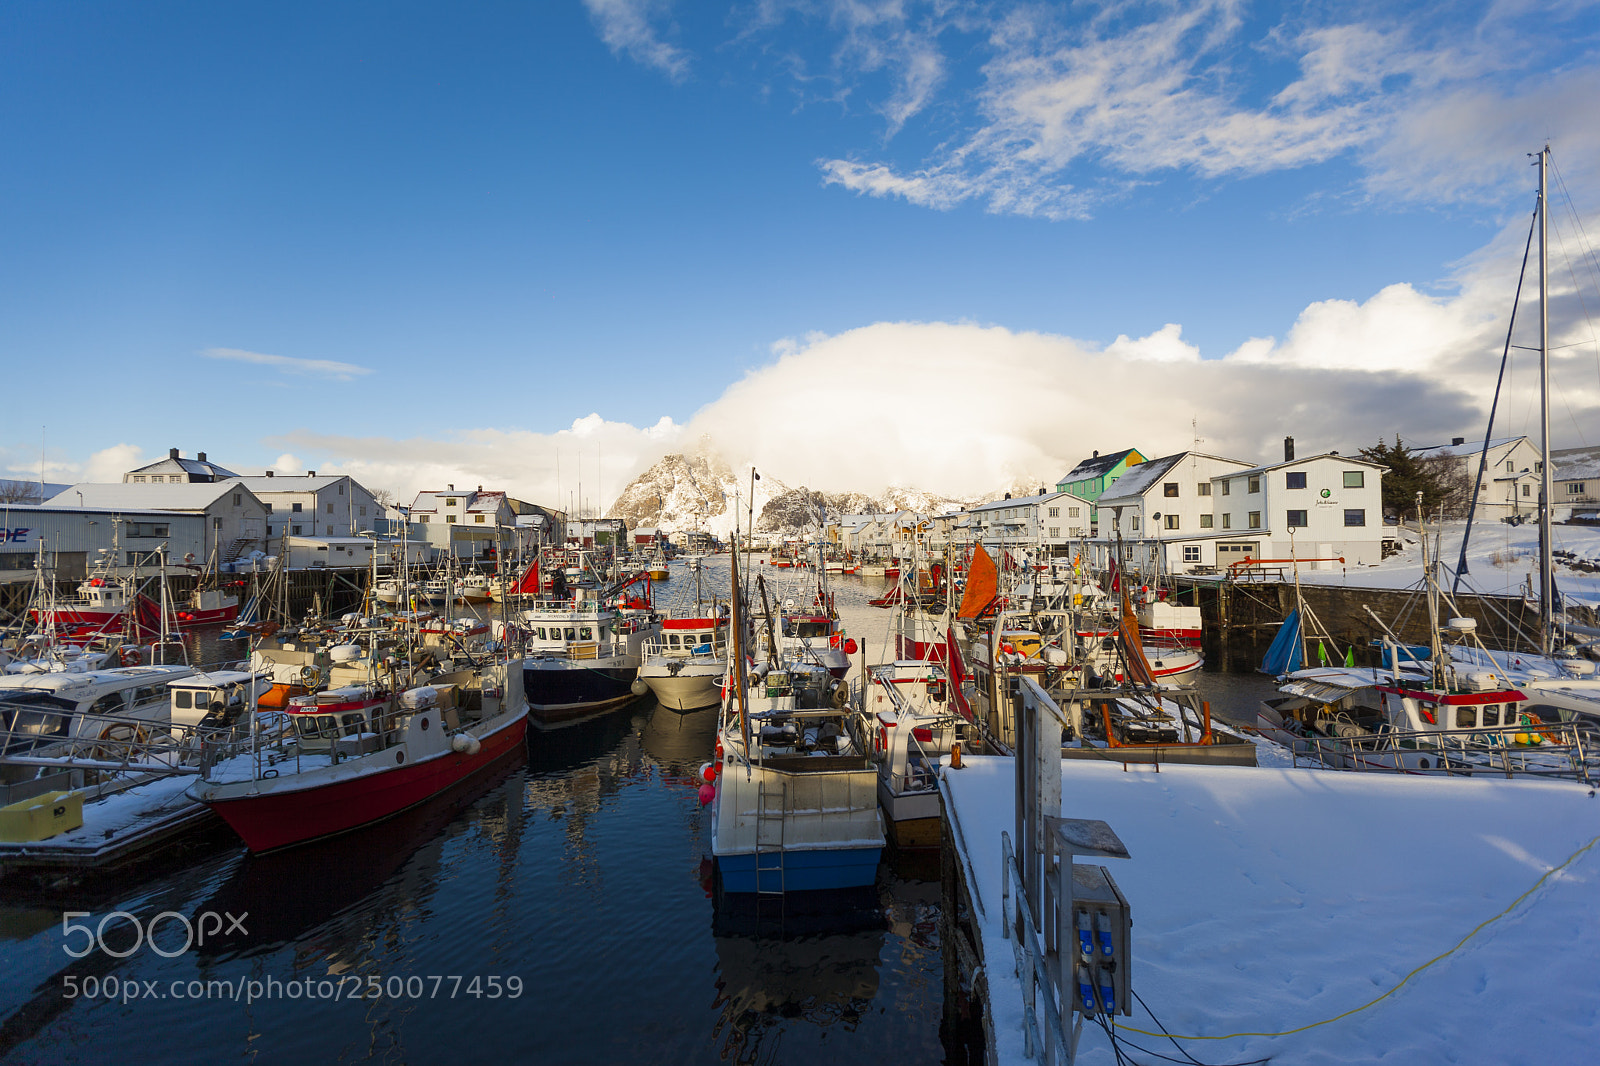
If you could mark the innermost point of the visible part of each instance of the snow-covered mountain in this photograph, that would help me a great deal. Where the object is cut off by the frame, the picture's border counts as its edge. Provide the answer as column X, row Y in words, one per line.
column 684, row 492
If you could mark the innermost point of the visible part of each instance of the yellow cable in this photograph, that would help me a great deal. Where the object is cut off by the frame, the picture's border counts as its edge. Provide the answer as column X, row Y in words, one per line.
column 1355, row 1010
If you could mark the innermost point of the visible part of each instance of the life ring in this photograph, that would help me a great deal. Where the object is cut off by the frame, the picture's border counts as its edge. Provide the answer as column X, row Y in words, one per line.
column 850, row 646
column 128, row 655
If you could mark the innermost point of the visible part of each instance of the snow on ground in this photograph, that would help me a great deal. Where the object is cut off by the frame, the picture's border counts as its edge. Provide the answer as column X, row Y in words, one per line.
column 1268, row 899
column 1499, row 560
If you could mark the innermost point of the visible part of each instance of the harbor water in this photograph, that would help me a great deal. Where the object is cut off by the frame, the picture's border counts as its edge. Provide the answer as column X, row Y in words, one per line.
column 558, row 909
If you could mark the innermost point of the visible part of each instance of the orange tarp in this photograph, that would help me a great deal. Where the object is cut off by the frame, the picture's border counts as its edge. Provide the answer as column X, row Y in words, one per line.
column 983, row 584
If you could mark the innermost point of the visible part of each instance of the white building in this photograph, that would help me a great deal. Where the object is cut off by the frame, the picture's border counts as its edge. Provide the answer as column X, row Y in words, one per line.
column 235, row 520
column 1510, row 481
column 1319, row 507
column 1050, row 521
column 175, row 470
column 76, row 538
column 468, row 523
column 1164, row 513
column 332, row 505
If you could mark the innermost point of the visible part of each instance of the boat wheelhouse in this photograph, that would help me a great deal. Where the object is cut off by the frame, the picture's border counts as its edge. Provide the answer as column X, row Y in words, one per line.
column 582, row 658
column 684, row 664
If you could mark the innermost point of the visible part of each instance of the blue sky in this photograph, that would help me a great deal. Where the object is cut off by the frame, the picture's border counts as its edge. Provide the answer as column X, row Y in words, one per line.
column 423, row 241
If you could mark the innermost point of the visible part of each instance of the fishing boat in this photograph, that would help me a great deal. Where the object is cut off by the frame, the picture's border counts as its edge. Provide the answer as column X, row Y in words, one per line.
column 582, row 657
column 657, row 568
column 360, row 752
column 684, row 664
column 794, row 805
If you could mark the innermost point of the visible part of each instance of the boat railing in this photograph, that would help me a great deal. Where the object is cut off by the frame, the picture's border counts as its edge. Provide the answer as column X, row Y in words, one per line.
column 1564, row 750
column 658, row 646
column 102, row 746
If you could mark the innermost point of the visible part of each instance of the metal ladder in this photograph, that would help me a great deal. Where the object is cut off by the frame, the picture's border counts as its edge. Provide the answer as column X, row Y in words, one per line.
column 765, row 819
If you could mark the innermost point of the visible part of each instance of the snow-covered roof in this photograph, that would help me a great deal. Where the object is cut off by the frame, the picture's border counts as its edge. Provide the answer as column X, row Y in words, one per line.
column 1023, row 501
column 1096, row 465
column 192, row 467
column 1139, row 478
column 1298, row 462
column 288, row 483
column 190, row 496
column 1453, row 451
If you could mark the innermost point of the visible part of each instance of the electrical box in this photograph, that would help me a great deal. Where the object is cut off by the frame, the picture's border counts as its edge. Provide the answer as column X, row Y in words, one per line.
column 1101, row 945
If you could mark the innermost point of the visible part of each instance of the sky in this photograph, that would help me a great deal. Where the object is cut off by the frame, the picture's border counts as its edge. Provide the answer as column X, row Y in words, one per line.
column 946, row 245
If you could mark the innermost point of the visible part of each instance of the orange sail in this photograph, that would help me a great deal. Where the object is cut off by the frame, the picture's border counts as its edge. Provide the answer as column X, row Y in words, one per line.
column 983, row 584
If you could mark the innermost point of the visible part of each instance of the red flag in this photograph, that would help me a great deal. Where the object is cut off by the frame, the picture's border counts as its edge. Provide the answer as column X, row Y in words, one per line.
column 530, row 581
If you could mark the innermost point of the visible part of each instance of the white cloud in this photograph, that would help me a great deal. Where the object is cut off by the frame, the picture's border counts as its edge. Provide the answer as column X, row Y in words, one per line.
column 323, row 368
column 626, row 26
column 1165, row 345
column 287, row 463
column 109, row 464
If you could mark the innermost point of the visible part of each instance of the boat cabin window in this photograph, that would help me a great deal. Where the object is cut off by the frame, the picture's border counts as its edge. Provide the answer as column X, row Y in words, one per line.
column 572, row 634
column 672, row 640
column 1543, row 712
column 110, row 703
column 1491, row 714
column 149, row 693
column 181, row 699
column 354, row 723
column 585, row 633
column 1466, row 717
column 541, row 634
column 811, row 629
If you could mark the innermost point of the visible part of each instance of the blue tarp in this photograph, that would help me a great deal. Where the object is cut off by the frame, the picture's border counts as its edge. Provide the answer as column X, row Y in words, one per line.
column 1408, row 653
column 1284, row 656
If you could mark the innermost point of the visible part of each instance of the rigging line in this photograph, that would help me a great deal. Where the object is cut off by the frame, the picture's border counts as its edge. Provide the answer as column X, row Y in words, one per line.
column 1404, row 980
column 1576, row 218
column 1488, row 432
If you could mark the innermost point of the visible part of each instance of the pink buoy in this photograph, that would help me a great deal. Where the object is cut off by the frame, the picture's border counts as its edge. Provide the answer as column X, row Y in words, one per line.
column 708, row 792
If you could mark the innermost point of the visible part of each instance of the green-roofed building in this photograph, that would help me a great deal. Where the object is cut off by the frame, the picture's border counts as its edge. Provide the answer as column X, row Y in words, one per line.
column 1092, row 477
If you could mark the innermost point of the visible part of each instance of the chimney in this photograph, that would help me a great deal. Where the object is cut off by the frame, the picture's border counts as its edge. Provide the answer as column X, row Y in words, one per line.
column 172, row 453
column 201, row 456
column 311, row 473
column 269, row 473
column 1096, row 454
column 1008, row 495
column 1288, row 449
column 1456, row 442
column 452, row 488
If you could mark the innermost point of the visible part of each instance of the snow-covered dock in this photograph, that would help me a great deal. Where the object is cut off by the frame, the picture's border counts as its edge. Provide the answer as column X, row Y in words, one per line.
column 1265, row 900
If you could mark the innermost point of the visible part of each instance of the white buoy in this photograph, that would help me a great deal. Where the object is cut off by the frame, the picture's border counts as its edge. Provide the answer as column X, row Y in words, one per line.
column 465, row 743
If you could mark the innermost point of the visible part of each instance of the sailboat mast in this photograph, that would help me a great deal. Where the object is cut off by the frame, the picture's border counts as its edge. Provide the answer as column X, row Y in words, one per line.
column 1546, row 580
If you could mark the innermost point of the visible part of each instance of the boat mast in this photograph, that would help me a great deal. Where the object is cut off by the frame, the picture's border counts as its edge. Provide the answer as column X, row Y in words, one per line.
column 1546, row 579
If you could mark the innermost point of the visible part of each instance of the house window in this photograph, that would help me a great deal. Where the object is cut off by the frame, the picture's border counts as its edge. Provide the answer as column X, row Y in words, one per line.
column 330, row 508
column 296, row 531
column 1511, row 466
column 1135, row 522
column 1055, row 531
column 449, row 503
column 1574, row 488
column 1294, row 479
column 1297, row 520
column 1206, row 521
column 341, row 490
column 216, row 523
column 1255, row 519
column 1172, row 521
column 296, row 508
column 1055, row 512
column 138, row 477
column 363, row 510
column 1255, row 484
column 268, row 506
column 449, row 519
column 1355, row 516
column 425, row 519
column 1527, row 490
column 1355, row 479
column 478, row 518
column 1169, row 488
column 1127, row 551
column 1227, row 521
column 147, row 529
column 1225, row 484
column 1072, row 512
column 1191, row 553
column 1203, row 489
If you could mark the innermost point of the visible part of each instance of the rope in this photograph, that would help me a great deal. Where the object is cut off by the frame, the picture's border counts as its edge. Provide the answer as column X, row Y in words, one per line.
column 1437, row 958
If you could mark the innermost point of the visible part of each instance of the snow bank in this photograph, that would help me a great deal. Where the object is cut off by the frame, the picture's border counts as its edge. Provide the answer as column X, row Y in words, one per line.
column 1267, row 899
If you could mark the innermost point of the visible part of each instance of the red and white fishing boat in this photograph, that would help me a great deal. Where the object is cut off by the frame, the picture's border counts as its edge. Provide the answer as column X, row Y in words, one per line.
column 359, row 753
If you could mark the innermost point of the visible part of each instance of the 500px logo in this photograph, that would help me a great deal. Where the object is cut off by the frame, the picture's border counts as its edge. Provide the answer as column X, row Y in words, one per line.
column 206, row 923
